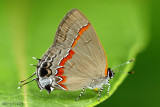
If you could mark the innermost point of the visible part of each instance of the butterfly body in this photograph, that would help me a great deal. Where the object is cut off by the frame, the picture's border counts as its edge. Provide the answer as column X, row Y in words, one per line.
column 76, row 60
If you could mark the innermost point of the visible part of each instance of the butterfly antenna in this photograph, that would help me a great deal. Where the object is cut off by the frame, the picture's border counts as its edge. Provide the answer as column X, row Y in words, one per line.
column 130, row 72
column 28, row 77
column 123, row 63
column 26, row 83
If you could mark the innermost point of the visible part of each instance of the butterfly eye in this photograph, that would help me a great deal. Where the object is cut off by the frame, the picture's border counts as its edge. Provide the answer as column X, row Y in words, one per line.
column 110, row 73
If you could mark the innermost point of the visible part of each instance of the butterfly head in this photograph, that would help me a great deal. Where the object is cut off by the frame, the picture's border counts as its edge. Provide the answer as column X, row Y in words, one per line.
column 110, row 73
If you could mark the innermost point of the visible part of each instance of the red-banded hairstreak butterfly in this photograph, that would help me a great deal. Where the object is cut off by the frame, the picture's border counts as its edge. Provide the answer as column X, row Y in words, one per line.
column 76, row 60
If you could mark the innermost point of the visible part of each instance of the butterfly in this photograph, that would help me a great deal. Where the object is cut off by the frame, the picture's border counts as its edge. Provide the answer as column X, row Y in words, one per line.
column 76, row 60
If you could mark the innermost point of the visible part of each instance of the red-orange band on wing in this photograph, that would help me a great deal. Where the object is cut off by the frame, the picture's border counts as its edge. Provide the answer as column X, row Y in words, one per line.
column 71, row 52
column 83, row 29
column 69, row 56
column 78, row 37
column 63, row 86
column 60, row 71
column 62, row 63
column 74, row 43
column 64, row 79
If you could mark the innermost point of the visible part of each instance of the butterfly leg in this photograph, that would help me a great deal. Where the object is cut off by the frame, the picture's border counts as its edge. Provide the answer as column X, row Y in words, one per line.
column 81, row 93
column 108, row 89
column 100, row 94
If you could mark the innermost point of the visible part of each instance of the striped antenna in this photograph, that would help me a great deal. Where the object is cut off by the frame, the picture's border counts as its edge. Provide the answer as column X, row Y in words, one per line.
column 130, row 72
column 26, row 83
column 28, row 78
column 123, row 64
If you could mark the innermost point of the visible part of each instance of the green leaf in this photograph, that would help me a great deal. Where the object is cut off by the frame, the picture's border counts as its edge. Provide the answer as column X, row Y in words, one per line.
column 28, row 29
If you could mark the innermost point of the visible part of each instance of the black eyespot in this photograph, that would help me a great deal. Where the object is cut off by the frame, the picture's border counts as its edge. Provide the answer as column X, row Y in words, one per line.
column 47, row 87
column 43, row 72
column 44, row 64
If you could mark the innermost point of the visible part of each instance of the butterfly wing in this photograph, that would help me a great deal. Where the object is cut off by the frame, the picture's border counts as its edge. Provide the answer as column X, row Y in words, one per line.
column 80, row 57
column 88, row 62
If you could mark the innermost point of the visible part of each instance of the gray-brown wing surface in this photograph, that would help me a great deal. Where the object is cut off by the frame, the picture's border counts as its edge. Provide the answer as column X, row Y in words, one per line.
column 88, row 62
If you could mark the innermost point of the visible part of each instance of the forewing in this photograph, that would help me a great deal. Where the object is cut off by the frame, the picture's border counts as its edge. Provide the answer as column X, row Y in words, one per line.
column 88, row 62
column 82, row 56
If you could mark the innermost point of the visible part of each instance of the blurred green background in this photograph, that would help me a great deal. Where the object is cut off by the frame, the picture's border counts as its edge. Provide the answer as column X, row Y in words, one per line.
column 27, row 28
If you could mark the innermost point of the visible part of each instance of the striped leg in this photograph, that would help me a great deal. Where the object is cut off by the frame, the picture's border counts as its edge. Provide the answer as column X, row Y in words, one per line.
column 80, row 94
column 108, row 89
column 100, row 94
